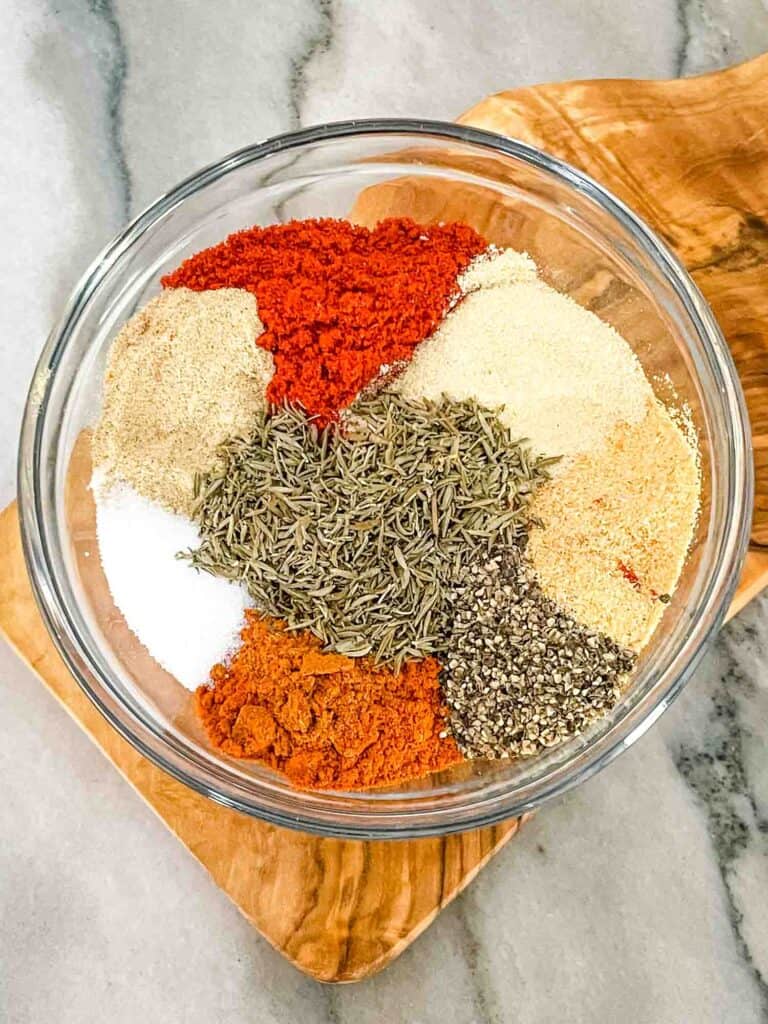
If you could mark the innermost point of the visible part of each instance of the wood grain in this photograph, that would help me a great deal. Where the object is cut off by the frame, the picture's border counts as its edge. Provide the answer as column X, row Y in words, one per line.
column 692, row 158
column 340, row 910
column 754, row 579
column 337, row 909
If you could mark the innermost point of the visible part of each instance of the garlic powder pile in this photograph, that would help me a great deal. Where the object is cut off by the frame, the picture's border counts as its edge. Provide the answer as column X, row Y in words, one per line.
column 564, row 377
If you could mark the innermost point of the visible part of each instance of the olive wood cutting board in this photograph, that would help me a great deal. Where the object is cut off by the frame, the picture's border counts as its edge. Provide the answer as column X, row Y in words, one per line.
column 691, row 156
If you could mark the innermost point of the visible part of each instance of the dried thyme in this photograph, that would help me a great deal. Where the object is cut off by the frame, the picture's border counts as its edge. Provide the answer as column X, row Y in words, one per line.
column 521, row 675
column 355, row 533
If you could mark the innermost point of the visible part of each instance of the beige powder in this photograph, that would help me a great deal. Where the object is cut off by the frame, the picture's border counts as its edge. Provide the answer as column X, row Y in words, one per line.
column 564, row 377
column 184, row 374
column 632, row 503
column 497, row 267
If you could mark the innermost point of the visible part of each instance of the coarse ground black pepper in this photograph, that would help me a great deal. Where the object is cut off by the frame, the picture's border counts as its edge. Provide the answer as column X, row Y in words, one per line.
column 521, row 675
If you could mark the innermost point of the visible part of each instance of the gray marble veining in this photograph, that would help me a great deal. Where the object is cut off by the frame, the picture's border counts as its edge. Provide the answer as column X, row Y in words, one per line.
column 720, row 752
column 716, row 33
column 640, row 897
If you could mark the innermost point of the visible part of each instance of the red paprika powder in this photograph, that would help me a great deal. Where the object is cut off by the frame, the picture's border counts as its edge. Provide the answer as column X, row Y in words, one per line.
column 338, row 301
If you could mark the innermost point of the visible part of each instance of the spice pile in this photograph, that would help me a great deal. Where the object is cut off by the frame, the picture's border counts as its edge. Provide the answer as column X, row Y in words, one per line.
column 612, row 551
column 327, row 721
column 354, row 534
column 385, row 500
column 185, row 360
column 521, row 674
column 562, row 375
column 338, row 301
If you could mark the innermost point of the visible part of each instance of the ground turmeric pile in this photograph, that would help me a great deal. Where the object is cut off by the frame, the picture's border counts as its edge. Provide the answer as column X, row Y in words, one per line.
column 326, row 721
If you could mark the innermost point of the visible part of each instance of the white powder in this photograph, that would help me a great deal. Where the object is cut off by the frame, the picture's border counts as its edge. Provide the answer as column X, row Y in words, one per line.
column 187, row 620
column 564, row 377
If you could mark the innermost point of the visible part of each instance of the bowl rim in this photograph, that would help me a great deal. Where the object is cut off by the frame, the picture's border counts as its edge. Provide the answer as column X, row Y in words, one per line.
column 150, row 740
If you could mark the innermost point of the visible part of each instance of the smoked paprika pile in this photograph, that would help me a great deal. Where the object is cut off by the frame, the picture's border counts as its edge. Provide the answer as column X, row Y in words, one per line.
column 326, row 721
column 338, row 301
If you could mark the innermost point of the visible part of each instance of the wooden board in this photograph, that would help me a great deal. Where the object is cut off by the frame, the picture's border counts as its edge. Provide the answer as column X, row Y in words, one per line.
column 337, row 909
column 691, row 156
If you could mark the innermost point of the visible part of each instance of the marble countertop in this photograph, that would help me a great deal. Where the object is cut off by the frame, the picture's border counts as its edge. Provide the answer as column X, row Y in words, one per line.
column 642, row 896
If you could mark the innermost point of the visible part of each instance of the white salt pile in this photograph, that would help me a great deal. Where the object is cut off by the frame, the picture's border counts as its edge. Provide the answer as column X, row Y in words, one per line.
column 187, row 620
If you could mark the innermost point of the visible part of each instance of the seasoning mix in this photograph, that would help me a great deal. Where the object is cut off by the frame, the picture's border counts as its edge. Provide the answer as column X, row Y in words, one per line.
column 385, row 501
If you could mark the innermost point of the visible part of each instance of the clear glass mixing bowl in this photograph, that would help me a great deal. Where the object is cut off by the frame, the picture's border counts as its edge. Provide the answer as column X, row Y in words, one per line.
column 586, row 243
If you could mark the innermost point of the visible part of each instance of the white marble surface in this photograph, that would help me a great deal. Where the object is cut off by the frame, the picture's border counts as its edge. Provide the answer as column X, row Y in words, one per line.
column 640, row 898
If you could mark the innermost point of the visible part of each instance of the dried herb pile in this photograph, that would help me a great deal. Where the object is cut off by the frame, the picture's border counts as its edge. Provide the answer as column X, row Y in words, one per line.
column 356, row 532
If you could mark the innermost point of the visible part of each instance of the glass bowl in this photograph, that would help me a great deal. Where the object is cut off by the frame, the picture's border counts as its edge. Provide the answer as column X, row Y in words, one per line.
column 586, row 243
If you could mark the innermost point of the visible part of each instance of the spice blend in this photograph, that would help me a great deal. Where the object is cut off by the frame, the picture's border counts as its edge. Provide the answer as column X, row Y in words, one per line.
column 386, row 500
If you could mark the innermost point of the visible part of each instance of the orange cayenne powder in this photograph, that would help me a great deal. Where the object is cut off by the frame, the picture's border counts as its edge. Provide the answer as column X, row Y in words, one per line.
column 326, row 721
